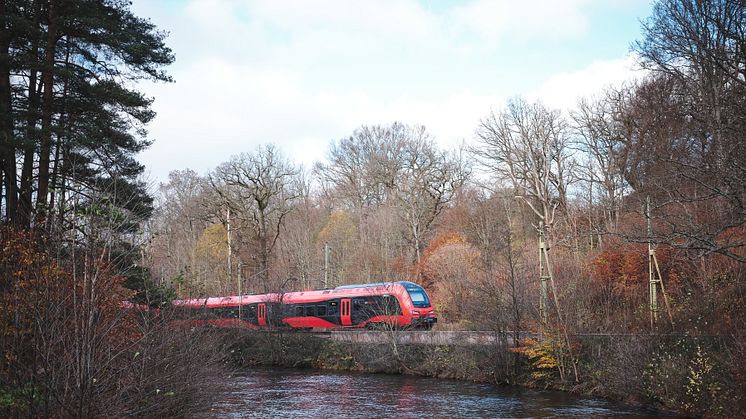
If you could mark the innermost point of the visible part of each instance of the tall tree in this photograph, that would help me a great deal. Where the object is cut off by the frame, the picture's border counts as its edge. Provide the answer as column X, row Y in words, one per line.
column 364, row 167
column 599, row 137
column 427, row 182
column 258, row 187
column 10, row 17
column 70, row 65
column 397, row 166
column 527, row 145
column 697, row 51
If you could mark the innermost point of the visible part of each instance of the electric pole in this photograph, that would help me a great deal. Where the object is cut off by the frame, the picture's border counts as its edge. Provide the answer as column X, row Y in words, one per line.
column 240, row 295
column 228, row 228
column 545, row 274
column 654, row 273
column 326, row 265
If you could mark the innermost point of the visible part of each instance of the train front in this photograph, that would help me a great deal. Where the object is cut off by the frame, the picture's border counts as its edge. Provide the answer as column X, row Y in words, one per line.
column 422, row 311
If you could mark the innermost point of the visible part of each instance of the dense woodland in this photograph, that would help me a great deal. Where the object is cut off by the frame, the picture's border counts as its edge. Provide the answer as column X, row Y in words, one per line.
column 83, row 232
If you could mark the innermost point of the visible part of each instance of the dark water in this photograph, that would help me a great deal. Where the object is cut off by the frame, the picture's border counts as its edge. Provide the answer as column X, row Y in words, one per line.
column 299, row 393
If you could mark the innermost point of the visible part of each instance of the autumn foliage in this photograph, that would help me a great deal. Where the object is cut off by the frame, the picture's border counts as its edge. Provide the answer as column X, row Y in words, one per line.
column 68, row 346
column 441, row 253
column 51, row 313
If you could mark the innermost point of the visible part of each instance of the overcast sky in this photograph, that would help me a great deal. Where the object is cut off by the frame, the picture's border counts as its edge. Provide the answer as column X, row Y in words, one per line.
column 303, row 73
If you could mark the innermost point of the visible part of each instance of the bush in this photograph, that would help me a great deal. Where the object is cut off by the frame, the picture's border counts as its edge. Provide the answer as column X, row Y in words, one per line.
column 69, row 348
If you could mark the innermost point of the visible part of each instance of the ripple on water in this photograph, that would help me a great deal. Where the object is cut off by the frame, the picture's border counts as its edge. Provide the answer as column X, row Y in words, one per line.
column 298, row 393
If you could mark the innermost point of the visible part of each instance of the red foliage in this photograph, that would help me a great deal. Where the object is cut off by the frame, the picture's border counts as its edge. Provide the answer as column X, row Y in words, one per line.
column 59, row 323
column 621, row 269
column 421, row 271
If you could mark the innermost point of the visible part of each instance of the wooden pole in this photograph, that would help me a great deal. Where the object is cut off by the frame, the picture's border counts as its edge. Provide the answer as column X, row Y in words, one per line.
column 240, row 295
column 652, row 279
column 326, row 265
column 544, row 274
column 228, row 228
column 654, row 274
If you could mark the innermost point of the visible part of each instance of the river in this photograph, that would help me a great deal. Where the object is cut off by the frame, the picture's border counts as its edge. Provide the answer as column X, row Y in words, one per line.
column 304, row 393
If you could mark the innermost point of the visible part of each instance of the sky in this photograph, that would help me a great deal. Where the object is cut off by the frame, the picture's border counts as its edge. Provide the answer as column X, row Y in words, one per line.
column 301, row 74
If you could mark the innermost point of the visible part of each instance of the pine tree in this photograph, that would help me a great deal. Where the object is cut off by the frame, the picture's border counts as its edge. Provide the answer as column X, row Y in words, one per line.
column 67, row 106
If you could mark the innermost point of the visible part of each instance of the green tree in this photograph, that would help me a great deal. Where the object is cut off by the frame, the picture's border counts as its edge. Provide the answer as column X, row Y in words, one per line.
column 66, row 67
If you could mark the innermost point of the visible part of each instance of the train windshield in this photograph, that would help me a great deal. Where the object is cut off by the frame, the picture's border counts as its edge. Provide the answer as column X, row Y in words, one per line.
column 418, row 295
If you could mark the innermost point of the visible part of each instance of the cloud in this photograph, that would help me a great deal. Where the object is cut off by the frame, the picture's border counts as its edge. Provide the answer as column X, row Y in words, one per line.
column 219, row 109
column 564, row 89
column 493, row 20
column 302, row 32
column 298, row 75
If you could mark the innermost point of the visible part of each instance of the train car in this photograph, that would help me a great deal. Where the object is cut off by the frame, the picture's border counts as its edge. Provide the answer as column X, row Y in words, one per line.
column 399, row 305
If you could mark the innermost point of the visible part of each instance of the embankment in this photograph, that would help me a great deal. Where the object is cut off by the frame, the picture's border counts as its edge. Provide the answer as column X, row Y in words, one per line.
column 689, row 375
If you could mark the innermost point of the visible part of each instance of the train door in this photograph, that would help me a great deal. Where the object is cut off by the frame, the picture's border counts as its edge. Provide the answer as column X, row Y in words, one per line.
column 262, row 314
column 344, row 312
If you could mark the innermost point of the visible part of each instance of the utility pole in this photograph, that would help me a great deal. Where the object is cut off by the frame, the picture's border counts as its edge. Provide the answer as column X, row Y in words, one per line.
column 654, row 273
column 240, row 295
column 545, row 274
column 326, row 265
column 228, row 227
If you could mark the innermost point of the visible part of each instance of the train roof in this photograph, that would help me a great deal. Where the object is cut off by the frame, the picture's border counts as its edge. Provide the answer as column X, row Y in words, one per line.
column 378, row 284
column 359, row 290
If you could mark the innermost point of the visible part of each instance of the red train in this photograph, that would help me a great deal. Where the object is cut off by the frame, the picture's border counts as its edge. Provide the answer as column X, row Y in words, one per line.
column 393, row 304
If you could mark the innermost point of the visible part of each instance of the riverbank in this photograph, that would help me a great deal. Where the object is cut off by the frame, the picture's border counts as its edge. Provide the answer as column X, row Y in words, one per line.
column 671, row 375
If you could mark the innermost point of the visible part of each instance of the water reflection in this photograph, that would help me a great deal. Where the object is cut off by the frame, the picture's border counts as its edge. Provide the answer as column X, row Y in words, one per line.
column 298, row 393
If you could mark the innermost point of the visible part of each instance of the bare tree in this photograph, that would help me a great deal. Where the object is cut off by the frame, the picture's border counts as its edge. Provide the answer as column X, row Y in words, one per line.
column 599, row 138
column 297, row 247
column 428, row 181
column 396, row 166
column 526, row 144
column 364, row 167
column 259, row 189
column 180, row 217
column 696, row 51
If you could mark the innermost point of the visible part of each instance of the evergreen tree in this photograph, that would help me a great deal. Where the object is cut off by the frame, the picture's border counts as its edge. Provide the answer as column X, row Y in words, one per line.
column 67, row 106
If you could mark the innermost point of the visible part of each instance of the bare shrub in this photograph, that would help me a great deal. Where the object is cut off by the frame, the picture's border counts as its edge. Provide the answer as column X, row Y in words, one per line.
column 70, row 349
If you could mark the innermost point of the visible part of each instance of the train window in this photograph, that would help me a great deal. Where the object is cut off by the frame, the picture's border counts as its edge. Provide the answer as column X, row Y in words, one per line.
column 333, row 308
column 299, row 311
column 417, row 297
column 247, row 312
column 181, row 313
column 309, row 311
column 321, row 310
column 390, row 304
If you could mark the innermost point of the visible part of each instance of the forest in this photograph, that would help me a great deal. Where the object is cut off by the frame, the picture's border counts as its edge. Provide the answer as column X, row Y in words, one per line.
column 555, row 221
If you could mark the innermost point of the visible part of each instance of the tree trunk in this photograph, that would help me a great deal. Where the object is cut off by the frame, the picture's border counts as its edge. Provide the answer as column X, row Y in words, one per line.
column 46, row 114
column 27, row 172
column 7, row 143
column 60, row 135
